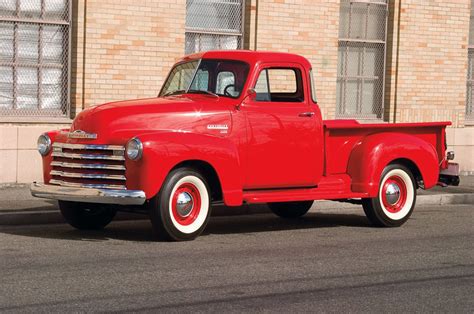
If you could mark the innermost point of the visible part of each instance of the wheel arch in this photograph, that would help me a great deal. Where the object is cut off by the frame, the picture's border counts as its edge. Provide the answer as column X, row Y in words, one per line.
column 410, row 165
column 209, row 173
column 374, row 152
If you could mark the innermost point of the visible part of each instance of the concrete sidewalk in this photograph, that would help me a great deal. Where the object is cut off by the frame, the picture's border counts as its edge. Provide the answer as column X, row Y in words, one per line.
column 18, row 207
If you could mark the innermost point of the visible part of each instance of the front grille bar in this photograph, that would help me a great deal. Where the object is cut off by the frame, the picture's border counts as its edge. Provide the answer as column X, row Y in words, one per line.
column 83, row 185
column 87, row 156
column 89, row 146
column 87, row 175
column 87, row 166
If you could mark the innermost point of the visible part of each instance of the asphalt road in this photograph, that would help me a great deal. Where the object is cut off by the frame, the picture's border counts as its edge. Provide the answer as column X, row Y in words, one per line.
column 329, row 261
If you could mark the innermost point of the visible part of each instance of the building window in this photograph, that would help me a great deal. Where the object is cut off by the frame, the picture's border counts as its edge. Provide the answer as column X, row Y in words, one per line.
column 470, row 68
column 34, row 58
column 361, row 59
column 214, row 24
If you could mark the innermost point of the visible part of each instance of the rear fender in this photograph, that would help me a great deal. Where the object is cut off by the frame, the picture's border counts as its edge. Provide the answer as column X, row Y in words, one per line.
column 374, row 152
column 162, row 151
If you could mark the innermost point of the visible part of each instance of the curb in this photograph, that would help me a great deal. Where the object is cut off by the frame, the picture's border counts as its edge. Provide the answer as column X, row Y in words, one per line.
column 445, row 199
column 52, row 215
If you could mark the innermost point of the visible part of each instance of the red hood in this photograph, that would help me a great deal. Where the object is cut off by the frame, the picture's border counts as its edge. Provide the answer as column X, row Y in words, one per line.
column 191, row 113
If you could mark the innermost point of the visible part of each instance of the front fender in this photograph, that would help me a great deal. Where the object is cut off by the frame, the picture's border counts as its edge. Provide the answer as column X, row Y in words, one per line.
column 374, row 152
column 162, row 151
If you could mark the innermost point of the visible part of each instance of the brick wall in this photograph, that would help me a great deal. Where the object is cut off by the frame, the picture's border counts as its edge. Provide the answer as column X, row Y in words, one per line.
column 432, row 61
column 129, row 48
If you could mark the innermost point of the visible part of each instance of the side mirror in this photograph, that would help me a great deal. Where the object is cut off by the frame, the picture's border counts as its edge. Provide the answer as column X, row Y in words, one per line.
column 250, row 94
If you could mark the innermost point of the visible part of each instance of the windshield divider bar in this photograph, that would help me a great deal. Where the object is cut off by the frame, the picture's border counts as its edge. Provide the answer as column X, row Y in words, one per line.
column 194, row 76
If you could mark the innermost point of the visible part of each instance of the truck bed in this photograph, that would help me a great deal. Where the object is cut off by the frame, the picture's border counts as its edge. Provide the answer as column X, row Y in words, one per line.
column 341, row 136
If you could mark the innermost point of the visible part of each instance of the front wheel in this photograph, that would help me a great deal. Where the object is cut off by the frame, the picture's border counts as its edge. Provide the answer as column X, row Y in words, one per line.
column 182, row 208
column 395, row 200
column 87, row 216
column 290, row 209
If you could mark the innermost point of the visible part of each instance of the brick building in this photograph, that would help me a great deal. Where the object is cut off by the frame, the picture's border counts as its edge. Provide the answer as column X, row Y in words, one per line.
column 374, row 60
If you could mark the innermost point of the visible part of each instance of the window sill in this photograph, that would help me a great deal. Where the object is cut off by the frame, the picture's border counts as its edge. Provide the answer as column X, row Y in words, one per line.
column 36, row 120
column 361, row 118
column 469, row 122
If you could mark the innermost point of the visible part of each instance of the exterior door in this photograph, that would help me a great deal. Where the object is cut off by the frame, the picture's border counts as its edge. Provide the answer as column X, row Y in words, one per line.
column 282, row 137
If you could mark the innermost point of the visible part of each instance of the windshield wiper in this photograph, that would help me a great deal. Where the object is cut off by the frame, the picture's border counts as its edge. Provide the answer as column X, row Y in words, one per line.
column 174, row 92
column 198, row 91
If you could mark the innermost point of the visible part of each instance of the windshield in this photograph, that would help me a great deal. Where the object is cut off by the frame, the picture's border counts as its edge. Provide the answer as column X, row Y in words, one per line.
column 214, row 77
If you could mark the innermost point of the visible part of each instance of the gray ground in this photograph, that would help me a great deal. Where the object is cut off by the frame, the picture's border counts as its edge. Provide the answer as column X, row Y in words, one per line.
column 329, row 261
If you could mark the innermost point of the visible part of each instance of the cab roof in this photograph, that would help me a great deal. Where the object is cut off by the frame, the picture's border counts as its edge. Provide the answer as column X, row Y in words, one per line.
column 249, row 56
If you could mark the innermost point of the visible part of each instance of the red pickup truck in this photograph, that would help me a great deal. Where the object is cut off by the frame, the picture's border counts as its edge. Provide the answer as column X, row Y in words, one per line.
column 235, row 127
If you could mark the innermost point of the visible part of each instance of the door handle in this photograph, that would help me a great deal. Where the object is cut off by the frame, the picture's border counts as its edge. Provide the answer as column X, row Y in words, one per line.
column 306, row 114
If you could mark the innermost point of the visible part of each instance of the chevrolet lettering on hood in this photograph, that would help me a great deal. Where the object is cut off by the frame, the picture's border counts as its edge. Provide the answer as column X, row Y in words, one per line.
column 82, row 135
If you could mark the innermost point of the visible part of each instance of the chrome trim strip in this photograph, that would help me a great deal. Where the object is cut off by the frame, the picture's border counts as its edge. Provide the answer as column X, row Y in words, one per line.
column 87, row 156
column 87, row 175
column 89, row 146
column 88, row 186
column 86, row 166
column 120, row 197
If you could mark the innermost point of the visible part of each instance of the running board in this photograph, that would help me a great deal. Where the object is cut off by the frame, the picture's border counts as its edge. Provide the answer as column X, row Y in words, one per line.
column 329, row 188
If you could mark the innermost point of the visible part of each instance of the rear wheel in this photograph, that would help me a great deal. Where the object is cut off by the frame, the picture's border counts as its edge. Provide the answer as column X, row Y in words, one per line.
column 182, row 208
column 395, row 200
column 87, row 216
column 290, row 209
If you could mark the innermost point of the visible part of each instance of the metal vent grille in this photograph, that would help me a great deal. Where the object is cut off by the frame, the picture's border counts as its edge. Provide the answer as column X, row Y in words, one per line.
column 34, row 58
column 361, row 59
column 470, row 68
column 214, row 24
column 470, row 84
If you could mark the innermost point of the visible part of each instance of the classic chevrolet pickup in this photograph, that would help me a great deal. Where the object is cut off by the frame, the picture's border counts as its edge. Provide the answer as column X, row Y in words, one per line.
column 235, row 127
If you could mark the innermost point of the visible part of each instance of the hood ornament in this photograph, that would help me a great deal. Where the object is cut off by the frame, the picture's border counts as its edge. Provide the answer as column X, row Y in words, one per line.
column 81, row 134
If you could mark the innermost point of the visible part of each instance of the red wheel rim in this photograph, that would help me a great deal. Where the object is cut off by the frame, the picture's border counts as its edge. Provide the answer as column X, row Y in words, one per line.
column 394, row 194
column 186, row 204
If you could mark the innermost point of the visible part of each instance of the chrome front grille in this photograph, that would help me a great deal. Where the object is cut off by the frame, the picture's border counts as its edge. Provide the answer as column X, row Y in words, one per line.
column 88, row 166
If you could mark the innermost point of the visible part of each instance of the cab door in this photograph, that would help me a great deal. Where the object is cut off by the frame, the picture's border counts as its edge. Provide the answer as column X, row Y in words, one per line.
column 283, row 142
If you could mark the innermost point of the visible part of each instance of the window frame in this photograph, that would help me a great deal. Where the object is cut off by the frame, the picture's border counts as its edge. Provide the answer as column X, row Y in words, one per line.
column 350, row 41
column 216, row 32
column 38, row 115
column 299, row 75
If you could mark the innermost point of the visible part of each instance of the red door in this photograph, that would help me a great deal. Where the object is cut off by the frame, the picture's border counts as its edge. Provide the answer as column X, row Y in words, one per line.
column 284, row 137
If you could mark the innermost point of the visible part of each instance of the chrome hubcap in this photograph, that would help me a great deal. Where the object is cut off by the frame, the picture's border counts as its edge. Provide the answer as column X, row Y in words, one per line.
column 392, row 193
column 184, row 204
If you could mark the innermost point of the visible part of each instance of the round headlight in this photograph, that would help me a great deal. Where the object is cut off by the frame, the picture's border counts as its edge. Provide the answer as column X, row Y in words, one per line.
column 134, row 149
column 44, row 144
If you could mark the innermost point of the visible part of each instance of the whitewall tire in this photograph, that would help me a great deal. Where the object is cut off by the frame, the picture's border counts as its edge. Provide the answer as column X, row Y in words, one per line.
column 182, row 208
column 395, row 200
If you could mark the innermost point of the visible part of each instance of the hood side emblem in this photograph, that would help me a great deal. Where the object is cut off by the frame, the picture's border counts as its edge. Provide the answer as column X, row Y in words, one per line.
column 81, row 134
column 221, row 127
column 217, row 127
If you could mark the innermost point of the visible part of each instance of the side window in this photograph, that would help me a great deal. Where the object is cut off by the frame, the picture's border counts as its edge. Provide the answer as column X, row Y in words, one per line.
column 313, row 86
column 262, row 88
column 280, row 85
column 226, row 82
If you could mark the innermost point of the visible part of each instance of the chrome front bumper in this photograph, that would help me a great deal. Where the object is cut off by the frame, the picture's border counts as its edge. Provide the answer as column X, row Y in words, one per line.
column 88, row 195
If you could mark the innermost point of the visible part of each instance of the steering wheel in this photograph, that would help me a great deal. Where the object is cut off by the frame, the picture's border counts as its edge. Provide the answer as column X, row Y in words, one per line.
column 226, row 92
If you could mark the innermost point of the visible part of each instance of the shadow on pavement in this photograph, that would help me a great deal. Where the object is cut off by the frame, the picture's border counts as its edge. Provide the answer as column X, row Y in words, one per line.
column 140, row 230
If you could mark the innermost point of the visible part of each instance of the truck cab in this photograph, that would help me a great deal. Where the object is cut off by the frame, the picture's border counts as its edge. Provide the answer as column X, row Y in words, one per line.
column 235, row 127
